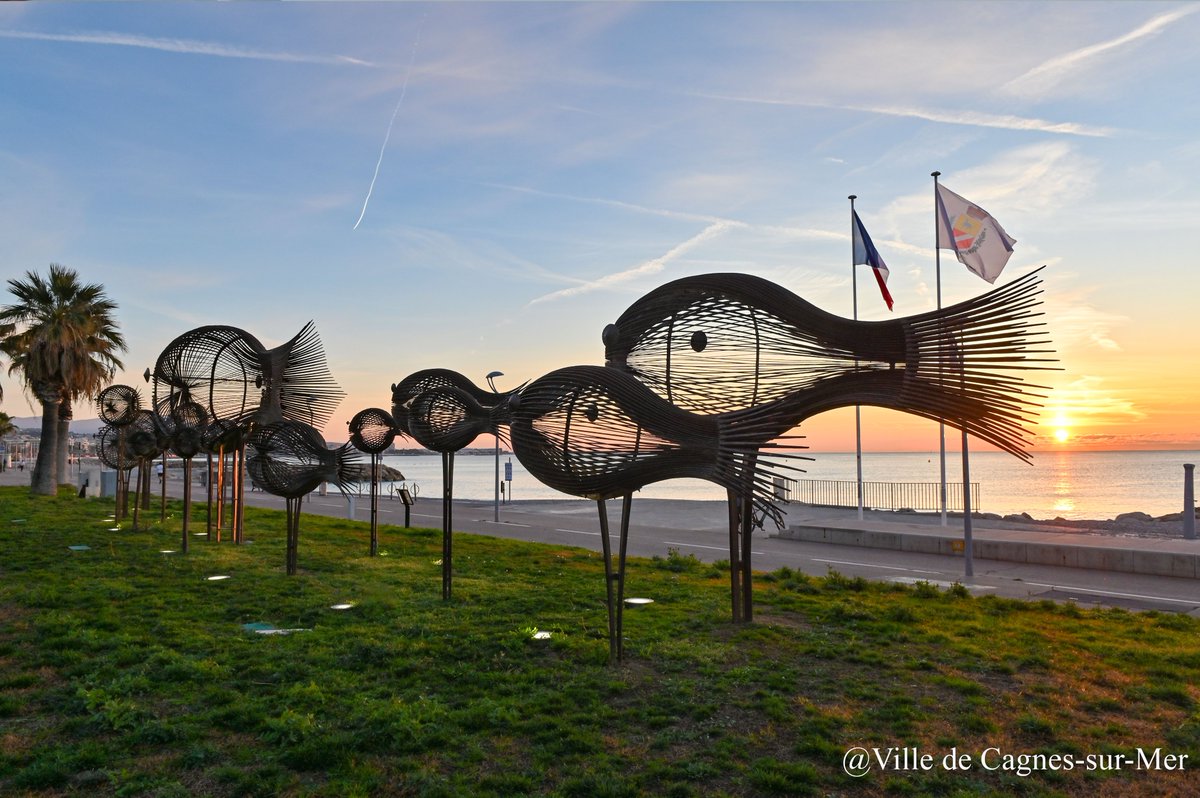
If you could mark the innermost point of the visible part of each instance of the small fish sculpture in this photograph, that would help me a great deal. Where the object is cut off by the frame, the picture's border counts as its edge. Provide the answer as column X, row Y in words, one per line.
column 291, row 459
column 716, row 343
column 599, row 433
column 447, row 419
column 405, row 391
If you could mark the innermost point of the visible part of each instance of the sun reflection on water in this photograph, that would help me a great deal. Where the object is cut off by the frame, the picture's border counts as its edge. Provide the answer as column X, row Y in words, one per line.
column 1064, row 486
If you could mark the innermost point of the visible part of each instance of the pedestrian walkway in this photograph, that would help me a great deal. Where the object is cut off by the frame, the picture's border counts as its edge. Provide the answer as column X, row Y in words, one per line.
column 1047, row 545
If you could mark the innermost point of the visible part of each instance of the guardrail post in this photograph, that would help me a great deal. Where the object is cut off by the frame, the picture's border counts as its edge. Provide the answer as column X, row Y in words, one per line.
column 1189, row 501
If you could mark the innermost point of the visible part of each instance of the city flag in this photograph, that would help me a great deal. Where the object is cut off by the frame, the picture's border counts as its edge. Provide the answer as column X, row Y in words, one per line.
column 865, row 252
column 976, row 238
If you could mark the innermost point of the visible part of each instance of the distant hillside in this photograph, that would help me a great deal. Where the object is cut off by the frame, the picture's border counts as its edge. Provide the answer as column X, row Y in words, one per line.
column 80, row 426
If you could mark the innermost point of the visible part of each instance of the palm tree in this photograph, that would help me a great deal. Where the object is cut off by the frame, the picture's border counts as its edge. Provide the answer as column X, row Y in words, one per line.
column 61, row 336
column 6, row 428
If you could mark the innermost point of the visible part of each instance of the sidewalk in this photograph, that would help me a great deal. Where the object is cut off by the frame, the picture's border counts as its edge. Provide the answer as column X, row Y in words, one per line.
column 1040, row 544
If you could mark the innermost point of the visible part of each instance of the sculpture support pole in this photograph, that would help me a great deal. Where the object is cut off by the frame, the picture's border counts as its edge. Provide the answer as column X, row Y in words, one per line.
column 240, row 512
column 137, row 493
column 220, row 491
column 626, row 507
column 747, row 576
column 614, row 582
column 447, row 521
column 293, row 534
column 144, row 471
column 209, row 480
column 735, row 511
column 162, row 505
column 122, row 483
column 374, row 504
column 187, row 501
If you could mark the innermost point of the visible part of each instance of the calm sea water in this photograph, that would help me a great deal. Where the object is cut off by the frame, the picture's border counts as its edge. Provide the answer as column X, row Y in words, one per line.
column 1075, row 485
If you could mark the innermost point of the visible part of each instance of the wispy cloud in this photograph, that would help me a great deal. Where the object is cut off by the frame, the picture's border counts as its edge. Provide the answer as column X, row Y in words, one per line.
column 652, row 266
column 783, row 231
column 186, row 46
column 950, row 117
column 1046, row 75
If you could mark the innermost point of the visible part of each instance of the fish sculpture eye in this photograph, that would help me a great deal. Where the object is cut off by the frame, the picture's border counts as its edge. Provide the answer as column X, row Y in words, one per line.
column 611, row 335
column 592, row 412
column 699, row 340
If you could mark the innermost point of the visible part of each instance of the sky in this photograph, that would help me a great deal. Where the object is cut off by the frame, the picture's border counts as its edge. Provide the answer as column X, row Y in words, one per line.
column 484, row 186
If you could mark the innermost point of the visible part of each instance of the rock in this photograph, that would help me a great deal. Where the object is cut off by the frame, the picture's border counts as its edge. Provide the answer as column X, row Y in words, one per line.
column 1170, row 517
column 990, row 516
column 361, row 472
column 1137, row 516
column 1020, row 517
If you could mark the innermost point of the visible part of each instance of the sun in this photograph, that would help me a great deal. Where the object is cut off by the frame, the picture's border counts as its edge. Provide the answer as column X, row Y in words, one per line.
column 1061, row 435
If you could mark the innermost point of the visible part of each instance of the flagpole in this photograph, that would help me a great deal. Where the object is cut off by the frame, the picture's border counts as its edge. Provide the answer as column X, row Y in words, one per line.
column 857, row 408
column 937, row 254
column 968, row 537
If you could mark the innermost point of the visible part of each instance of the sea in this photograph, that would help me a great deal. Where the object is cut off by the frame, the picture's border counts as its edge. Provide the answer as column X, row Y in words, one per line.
column 1058, row 484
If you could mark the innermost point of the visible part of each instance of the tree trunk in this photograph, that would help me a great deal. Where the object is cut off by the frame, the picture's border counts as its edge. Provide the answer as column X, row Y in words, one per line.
column 63, row 441
column 44, row 481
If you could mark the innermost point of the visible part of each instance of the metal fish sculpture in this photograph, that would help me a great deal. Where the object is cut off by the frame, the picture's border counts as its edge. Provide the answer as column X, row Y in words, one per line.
column 720, row 342
column 405, row 391
column 229, row 372
column 448, row 419
column 372, row 431
column 444, row 411
column 290, row 459
column 599, row 433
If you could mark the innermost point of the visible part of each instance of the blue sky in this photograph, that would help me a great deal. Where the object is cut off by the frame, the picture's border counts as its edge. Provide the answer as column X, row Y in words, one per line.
column 548, row 163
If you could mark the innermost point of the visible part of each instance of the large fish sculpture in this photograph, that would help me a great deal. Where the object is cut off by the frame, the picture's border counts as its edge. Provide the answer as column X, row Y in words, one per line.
column 720, row 342
column 235, row 377
column 599, row 433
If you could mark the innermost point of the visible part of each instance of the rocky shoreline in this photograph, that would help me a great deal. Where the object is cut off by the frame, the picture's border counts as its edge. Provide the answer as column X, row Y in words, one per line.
column 1132, row 524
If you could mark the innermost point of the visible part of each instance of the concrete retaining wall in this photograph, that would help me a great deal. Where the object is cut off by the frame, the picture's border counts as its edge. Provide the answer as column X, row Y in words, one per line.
column 1115, row 555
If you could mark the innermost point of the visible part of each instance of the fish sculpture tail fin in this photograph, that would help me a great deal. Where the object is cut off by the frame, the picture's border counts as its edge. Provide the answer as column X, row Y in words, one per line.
column 962, row 363
column 755, row 455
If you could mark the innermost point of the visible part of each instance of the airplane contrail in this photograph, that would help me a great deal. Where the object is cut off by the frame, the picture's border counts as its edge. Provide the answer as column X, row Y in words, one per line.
column 412, row 57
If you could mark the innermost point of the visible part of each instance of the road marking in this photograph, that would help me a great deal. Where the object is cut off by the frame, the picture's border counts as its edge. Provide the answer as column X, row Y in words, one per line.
column 909, row 580
column 611, row 536
column 503, row 523
column 1192, row 602
column 698, row 546
column 869, row 565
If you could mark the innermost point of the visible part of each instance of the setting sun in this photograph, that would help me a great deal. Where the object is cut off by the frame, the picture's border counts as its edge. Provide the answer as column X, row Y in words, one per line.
column 1061, row 434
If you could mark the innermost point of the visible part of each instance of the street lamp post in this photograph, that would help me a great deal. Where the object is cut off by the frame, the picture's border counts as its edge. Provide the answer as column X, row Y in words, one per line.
column 496, row 482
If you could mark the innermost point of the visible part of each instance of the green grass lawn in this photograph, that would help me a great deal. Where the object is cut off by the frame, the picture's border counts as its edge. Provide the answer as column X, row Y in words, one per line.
column 124, row 671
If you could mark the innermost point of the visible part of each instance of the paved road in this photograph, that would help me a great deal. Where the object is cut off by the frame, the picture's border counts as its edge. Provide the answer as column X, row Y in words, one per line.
column 699, row 528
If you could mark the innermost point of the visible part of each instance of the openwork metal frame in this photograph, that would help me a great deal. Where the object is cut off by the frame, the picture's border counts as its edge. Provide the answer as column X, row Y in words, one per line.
column 719, row 342
column 372, row 431
column 290, row 459
column 444, row 411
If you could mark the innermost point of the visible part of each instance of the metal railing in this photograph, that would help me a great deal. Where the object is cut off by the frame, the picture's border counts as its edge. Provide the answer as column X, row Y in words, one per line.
column 878, row 495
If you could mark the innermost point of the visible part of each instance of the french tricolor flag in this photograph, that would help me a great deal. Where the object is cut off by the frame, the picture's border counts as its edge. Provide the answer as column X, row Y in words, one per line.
column 865, row 252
